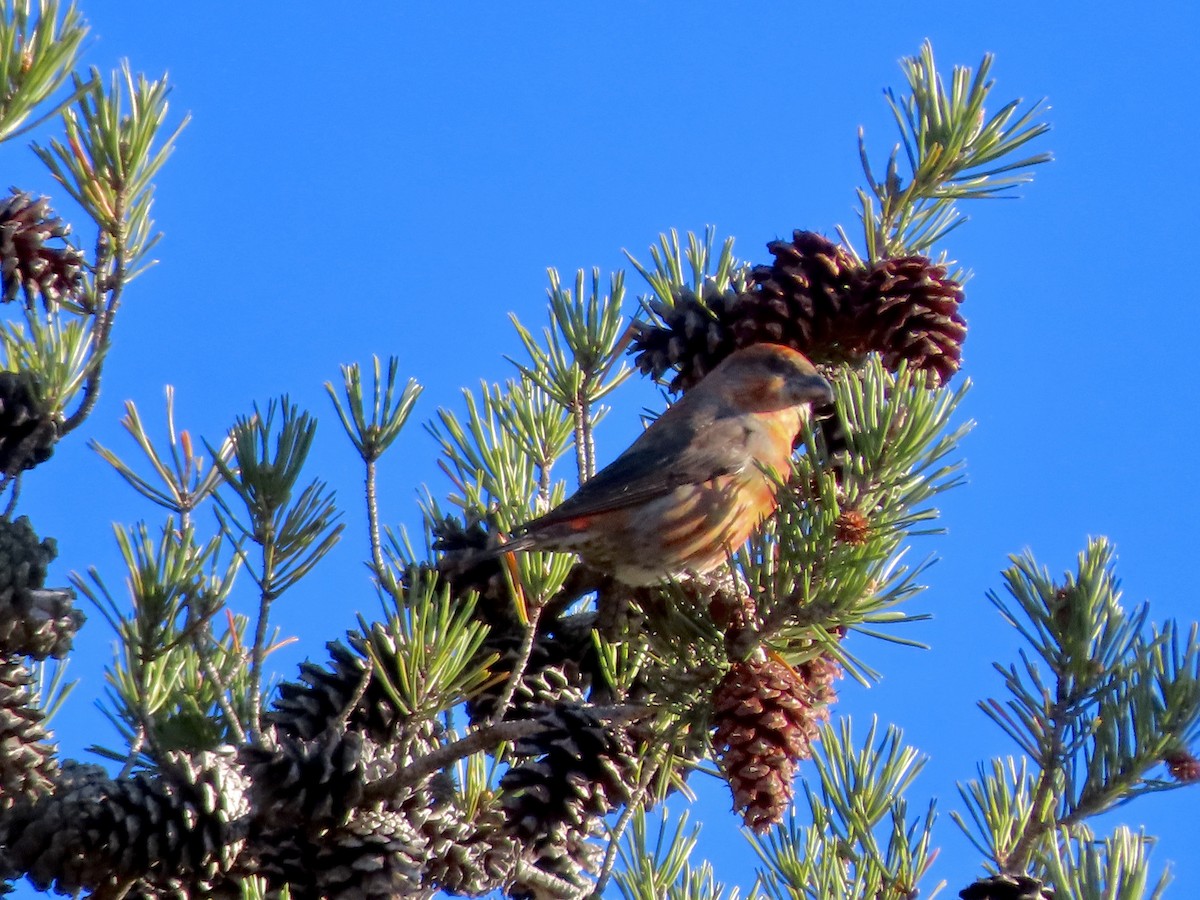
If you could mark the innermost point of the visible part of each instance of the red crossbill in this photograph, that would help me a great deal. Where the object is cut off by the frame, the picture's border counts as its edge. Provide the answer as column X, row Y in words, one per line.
column 690, row 490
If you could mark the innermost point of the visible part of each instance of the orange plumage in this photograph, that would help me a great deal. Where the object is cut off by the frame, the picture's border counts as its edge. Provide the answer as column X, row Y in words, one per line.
column 688, row 492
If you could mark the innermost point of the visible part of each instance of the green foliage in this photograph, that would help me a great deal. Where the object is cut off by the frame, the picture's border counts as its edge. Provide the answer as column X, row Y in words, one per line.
column 542, row 428
column 575, row 363
column 953, row 151
column 861, row 843
column 158, row 692
column 115, row 141
column 1099, row 700
column 59, row 351
column 427, row 652
column 50, row 686
column 187, row 480
column 664, row 871
column 374, row 431
column 694, row 268
column 38, row 51
column 1115, row 868
column 114, row 148
column 900, row 437
column 486, row 466
column 256, row 888
column 582, row 345
column 265, row 468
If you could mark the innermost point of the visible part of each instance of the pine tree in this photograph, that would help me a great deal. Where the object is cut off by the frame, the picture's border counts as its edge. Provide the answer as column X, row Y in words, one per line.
column 511, row 721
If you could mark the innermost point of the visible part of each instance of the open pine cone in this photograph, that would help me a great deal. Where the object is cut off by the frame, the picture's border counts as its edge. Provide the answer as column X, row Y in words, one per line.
column 27, row 262
column 767, row 716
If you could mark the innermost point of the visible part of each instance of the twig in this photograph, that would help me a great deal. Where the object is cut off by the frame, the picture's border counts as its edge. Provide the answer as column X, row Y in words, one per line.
column 105, row 284
column 544, row 484
column 581, row 463
column 484, row 739
column 788, row 612
column 634, row 804
column 523, row 653
column 589, row 440
column 135, row 747
column 258, row 652
column 227, row 710
column 373, row 521
column 360, row 689
column 16, row 492
column 530, row 874
column 1036, row 827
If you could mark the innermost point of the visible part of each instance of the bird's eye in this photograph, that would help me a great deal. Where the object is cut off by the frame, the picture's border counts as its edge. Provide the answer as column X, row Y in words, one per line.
column 781, row 367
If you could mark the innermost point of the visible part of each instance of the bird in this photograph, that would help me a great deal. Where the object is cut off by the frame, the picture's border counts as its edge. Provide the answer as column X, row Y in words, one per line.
column 688, row 492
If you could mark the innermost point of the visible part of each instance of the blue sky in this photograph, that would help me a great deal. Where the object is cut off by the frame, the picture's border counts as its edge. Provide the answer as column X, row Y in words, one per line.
column 396, row 181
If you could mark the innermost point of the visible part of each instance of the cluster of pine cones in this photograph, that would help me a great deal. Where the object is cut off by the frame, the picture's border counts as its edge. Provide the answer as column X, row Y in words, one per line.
column 818, row 299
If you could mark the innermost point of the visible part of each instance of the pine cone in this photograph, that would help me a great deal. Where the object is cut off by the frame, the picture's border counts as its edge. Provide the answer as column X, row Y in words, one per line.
column 318, row 782
column 816, row 298
column 378, row 854
column 547, row 680
column 27, row 765
column 27, row 434
column 732, row 608
column 577, row 772
column 561, row 666
column 1007, row 887
column 909, row 309
column 33, row 621
column 95, row 833
column 27, row 263
column 565, row 853
column 803, row 299
column 465, row 857
column 212, row 790
column 694, row 336
column 306, row 708
column 767, row 715
column 459, row 543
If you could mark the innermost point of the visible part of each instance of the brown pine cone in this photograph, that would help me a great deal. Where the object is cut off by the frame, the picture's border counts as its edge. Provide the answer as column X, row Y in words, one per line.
column 694, row 335
column 28, row 432
column 767, row 715
column 804, row 300
column 28, row 763
column 27, row 262
column 909, row 310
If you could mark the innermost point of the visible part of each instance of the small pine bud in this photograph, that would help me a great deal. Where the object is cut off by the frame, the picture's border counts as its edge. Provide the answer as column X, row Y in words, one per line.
column 852, row 528
column 1183, row 766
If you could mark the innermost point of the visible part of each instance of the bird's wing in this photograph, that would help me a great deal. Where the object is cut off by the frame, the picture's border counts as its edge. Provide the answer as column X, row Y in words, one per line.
column 654, row 465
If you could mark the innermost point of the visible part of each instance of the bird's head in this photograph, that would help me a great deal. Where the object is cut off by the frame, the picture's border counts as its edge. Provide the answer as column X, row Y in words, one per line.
column 766, row 378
